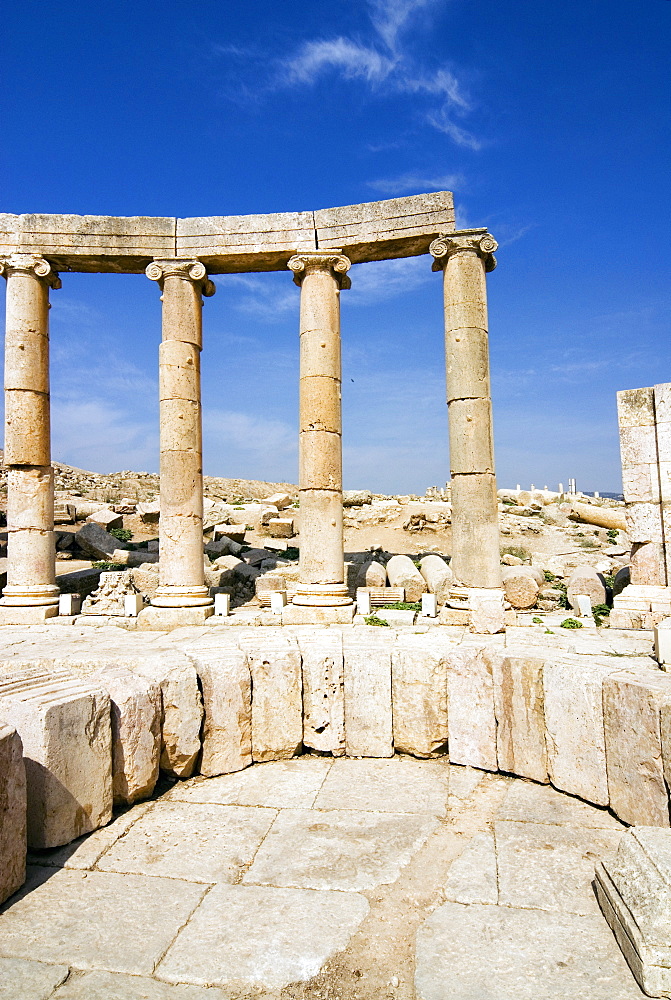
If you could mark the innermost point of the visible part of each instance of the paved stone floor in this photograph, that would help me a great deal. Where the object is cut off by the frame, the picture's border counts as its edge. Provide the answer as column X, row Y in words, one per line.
column 312, row 878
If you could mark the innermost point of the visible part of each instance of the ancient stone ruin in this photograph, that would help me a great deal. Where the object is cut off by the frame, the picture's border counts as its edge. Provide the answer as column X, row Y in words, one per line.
column 101, row 710
column 318, row 247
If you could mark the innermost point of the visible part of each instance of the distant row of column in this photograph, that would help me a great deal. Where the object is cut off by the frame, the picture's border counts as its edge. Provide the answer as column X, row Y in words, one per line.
column 463, row 257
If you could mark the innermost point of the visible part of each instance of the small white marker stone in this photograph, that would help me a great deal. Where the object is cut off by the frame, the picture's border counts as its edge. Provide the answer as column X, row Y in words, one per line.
column 69, row 604
column 584, row 606
column 363, row 602
column 663, row 641
column 132, row 605
column 429, row 605
column 222, row 605
column 278, row 601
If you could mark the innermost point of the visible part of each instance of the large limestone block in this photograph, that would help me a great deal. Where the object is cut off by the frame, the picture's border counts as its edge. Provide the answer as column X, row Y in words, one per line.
column 106, row 518
column 227, row 700
column 12, row 812
column 98, row 242
column 242, row 242
column 634, row 892
column 644, row 522
column 323, row 691
column 136, row 732
column 636, row 408
column 181, row 709
column 368, row 713
column 518, row 699
column 372, row 574
column 277, row 716
column 64, row 725
column 96, row 542
column 402, row 572
column 574, row 725
column 632, row 700
column 640, row 483
column 470, row 707
column 521, row 589
column 585, row 580
column 380, row 230
column 419, row 694
column 438, row 575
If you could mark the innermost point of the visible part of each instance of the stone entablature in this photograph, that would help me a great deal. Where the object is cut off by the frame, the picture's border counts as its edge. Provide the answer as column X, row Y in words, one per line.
column 319, row 248
column 379, row 230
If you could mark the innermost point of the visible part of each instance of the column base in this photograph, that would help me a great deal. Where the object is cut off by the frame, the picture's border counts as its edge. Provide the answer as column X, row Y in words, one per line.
column 295, row 614
column 35, row 615
column 182, row 597
column 322, row 595
column 164, row 619
column 44, row 595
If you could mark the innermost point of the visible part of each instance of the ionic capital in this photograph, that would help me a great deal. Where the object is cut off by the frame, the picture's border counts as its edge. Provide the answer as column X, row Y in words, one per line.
column 190, row 270
column 477, row 241
column 319, row 260
column 32, row 264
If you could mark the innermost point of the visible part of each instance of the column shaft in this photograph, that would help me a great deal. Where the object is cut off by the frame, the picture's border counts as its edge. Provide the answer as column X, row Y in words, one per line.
column 181, row 576
column 31, row 570
column 464, row 257
column 322, row 567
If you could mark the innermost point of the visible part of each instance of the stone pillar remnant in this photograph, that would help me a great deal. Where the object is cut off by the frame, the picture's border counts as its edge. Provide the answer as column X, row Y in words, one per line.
column 321, row 275
column 464, row 257
column 181, row 575
column 31, row 570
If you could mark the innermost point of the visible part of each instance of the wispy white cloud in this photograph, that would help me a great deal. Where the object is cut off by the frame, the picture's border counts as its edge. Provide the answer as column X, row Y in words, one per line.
column 353, row 60
column 387, row 63
column 442, row 121
column 390, row 17
column 416, row 182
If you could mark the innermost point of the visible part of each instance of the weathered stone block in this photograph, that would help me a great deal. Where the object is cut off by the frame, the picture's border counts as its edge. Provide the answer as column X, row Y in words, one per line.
column 12, row 812
column 277, row 717
column 470, row 707
column 574, row 725
column 227, row 701
column 634, row 892
column 632, row 700
column 323, row 692
column 64, row 725
column 636, row 408
column 106, row 518
column 181, row 709
column 368, row 714
column 518, row 699
column 136, row 732
column 96, row 542
column 402, row 572
column 644, row 522
column 419, row 694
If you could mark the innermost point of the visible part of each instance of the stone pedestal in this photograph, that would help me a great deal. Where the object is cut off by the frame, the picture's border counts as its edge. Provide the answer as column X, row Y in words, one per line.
column 31, row 577
column 322, row 570
column 464, row 257
column 182, row 583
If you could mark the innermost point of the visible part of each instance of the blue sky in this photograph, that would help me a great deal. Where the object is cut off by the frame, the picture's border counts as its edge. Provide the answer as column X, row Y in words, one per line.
column 550, row 122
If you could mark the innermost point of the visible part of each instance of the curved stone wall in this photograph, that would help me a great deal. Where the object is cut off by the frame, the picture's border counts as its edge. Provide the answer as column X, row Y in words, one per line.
column 104, row 709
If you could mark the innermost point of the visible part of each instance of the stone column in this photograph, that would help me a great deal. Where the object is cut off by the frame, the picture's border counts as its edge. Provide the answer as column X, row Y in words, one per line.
column 320, row 275
column 31, row 569
column 181, row 576
column 464, row 257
